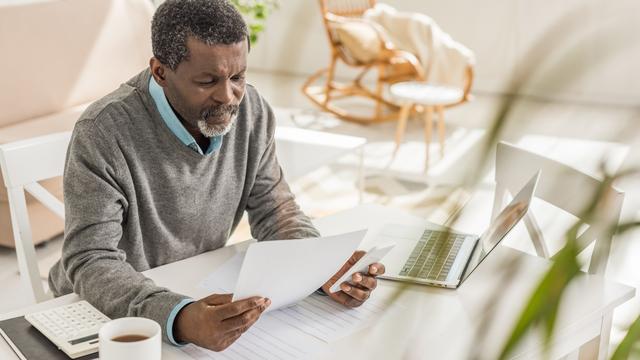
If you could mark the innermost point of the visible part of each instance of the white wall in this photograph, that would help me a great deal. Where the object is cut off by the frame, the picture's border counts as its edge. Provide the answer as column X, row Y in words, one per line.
column 593, row 55
column 16, row 2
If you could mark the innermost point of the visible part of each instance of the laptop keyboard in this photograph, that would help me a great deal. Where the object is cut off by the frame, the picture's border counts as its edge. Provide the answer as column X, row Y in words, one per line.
column 433, row 255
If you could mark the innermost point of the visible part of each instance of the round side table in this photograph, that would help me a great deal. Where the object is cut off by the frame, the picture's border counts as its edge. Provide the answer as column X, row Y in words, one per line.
column 431, row 97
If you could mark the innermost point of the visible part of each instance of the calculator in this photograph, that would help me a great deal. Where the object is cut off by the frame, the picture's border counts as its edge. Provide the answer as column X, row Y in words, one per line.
column 72, row 328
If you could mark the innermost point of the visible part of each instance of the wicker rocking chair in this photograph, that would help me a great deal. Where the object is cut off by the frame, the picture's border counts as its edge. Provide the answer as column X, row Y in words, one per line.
column 392, row 66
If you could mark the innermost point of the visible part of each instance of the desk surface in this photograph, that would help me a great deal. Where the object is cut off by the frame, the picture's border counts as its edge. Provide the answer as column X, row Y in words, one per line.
column 425, row 322
column 301, row 151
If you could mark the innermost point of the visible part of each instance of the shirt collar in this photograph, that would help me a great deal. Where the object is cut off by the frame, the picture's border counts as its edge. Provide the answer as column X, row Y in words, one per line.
column 174, row 124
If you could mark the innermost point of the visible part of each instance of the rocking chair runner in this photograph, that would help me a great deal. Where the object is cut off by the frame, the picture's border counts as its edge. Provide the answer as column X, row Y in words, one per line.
column 392, row 65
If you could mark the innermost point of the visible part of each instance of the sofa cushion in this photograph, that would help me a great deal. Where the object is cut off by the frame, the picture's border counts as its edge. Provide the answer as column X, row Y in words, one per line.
column 59, row 54
column 58, row 122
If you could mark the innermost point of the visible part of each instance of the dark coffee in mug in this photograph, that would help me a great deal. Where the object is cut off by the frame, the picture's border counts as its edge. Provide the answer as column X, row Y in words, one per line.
column 129, row 338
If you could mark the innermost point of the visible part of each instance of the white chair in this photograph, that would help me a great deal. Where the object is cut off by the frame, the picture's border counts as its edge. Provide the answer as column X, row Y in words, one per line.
column 24, row 163
column 563, row 187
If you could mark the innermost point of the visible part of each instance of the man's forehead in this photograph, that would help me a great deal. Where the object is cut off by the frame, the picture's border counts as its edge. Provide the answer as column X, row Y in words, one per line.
column 217, row 57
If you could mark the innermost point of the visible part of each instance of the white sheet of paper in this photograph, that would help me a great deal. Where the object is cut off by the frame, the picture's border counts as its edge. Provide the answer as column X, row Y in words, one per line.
column 316, row 315
column 296, row 332
column 224, row 278
column 287, row 271
column 266, row 339
column 325, row 319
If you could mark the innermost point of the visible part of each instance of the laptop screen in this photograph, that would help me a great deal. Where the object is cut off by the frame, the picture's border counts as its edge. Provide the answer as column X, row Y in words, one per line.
column 501, row 225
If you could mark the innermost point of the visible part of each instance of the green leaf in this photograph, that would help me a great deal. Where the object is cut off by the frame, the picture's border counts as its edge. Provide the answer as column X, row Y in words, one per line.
column 260, row 11
column 630, row 345
column 256, row 28
column 255, row 13
column 543, row 304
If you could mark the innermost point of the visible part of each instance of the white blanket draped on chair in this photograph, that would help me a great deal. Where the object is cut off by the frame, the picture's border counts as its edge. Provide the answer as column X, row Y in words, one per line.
column 443, row 59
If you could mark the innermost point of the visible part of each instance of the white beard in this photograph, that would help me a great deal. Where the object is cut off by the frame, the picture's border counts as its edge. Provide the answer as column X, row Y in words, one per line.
column 211, row 131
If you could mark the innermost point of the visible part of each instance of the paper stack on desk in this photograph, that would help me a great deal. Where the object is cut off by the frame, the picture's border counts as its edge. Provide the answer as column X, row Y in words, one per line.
column 287, row 272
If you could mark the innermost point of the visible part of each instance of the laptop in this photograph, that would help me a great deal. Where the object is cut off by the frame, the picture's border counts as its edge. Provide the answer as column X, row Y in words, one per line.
column 439, row 256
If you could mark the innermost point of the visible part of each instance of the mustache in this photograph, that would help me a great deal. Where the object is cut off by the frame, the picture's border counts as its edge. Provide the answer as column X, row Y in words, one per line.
column 218, row 111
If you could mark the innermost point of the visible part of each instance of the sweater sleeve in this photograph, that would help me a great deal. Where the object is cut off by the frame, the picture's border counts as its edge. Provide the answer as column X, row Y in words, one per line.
column 273, row 211
column 95, row 208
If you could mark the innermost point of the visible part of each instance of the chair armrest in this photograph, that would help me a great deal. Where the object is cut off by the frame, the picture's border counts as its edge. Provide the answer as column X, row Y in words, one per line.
column 392, row 55
column 469, row 77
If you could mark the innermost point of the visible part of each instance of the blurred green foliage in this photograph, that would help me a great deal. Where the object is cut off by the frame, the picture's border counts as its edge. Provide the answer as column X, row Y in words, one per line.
column 255, row 13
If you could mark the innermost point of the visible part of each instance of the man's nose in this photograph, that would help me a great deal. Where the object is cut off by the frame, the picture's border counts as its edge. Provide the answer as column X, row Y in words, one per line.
column 223, row 93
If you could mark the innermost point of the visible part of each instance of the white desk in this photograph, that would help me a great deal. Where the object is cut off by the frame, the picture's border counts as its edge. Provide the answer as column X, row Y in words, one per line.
column 427, row 322
column 301, row 151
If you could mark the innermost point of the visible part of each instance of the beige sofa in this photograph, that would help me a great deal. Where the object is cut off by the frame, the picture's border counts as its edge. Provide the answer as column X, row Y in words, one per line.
column 56, row 58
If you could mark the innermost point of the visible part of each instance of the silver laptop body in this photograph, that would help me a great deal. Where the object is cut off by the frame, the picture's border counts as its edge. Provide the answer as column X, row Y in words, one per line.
column 439, row 256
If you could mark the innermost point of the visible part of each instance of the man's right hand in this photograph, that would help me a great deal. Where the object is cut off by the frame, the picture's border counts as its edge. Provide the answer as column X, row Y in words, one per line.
column 215, row 322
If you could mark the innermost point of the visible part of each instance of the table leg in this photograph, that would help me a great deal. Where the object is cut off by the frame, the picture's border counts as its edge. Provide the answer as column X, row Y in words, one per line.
column 440, row 110
column 402, row 125
column 428, row 126
column 598, row 348
column 360, row 174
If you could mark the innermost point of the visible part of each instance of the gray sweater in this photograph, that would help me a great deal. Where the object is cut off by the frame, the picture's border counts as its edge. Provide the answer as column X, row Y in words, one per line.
column 136, row 198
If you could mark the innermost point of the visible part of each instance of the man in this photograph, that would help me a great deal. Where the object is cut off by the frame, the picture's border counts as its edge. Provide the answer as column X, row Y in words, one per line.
column 163, row 168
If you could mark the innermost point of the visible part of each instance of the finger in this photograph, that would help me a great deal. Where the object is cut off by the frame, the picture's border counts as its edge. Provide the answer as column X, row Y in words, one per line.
column 357, row 255
column 376, row 269
column 242, row 321
column 355, row 292
column 238, row 307
column 217, row 299
column 347, row 265
column 368, row 282
column 352, row 260
column 345, row 299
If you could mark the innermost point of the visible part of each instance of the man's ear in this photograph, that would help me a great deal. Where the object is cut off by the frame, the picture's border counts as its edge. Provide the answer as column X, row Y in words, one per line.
column 158, row 71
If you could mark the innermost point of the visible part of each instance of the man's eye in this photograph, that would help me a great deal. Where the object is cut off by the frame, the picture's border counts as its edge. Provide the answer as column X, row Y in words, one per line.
column 238, row 78
column 206, row 82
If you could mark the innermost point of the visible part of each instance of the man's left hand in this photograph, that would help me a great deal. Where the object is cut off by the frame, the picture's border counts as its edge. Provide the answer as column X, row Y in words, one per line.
column 356, row 291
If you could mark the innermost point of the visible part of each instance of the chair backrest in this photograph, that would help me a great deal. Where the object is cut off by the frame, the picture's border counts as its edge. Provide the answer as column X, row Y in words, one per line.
column 23, row 164
column 335, row 13
column 563, row 187
column 347, row 8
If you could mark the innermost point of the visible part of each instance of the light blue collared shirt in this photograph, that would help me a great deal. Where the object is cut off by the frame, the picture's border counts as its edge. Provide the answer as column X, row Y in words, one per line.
column 171, row 119
column 172, row 317
column 176, row 127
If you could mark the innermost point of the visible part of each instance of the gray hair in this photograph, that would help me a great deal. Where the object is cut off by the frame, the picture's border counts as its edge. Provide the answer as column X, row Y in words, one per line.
column 210, row 21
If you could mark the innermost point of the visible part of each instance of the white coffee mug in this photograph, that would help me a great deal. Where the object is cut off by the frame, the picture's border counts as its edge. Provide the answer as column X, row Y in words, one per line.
column 149, row 348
